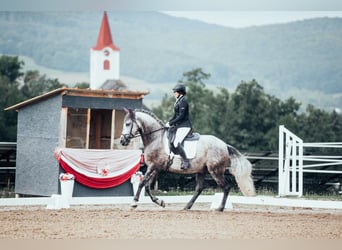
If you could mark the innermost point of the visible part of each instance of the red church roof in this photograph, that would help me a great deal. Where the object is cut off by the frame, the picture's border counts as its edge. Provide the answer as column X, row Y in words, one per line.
column 105, row 37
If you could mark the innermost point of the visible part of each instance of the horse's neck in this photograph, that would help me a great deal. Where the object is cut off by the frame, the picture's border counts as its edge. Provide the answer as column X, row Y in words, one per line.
column 156, row 138
column 153, row 135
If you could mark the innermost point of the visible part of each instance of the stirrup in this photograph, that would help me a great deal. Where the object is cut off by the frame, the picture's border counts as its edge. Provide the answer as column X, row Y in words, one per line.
column 185, row 164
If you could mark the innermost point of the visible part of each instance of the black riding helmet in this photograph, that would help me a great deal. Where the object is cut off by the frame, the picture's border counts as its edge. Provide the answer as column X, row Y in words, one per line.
column 180, row 88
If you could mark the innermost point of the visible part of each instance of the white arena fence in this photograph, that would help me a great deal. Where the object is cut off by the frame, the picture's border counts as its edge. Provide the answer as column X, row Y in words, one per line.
column 292, row 163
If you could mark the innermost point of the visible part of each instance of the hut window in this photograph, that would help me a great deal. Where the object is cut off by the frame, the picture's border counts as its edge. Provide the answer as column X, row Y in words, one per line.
column 76, row 134
column 106, row 65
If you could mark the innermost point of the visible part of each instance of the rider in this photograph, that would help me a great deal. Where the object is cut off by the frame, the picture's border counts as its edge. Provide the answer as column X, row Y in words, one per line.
column 181, row 121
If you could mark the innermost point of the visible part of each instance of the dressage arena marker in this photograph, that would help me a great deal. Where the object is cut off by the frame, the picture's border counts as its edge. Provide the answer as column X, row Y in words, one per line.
column 57, row 202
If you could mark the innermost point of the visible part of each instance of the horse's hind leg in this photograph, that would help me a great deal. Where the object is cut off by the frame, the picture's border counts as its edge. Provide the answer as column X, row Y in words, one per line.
column 224, row 184
column 198, row 190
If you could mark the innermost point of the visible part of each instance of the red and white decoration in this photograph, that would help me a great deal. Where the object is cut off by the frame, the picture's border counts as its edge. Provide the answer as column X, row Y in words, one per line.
column 99, row 168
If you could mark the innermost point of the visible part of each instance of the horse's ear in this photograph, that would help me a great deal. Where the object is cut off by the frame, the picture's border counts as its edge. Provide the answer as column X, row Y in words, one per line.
column 129, row 112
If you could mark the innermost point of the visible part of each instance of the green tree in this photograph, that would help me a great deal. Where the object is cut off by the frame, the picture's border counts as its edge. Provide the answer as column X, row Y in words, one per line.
column 10, row 73
column 12, row 92
column 82, row 85
column 320, row 126
column 36, row 84
column 8, row 119
column 219, row 118
column 249, row 111
column 11, row 67
column 165, row 110
column 286, row 113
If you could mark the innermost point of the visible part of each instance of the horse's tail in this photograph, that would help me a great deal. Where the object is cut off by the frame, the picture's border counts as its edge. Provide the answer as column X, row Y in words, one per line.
column 241, row 169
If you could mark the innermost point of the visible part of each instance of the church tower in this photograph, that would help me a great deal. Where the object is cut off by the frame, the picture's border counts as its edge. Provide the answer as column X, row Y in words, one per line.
column 104, row 57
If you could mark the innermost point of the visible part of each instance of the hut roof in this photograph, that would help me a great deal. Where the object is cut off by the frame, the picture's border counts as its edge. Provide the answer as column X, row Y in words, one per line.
column 100, row 93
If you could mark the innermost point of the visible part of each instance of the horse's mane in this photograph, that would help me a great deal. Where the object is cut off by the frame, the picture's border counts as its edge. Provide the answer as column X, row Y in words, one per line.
column 150, row 114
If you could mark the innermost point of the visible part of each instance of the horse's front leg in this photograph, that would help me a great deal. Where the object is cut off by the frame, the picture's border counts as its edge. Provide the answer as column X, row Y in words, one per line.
column 148, row 191
column 145, row 182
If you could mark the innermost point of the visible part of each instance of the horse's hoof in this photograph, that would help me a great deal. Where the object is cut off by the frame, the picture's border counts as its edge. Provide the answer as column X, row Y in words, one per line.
column 162, row 203
column 134, row 204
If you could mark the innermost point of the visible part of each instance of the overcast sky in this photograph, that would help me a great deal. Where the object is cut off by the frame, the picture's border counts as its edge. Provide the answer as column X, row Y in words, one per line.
column 174, row 5
column 238, row 19
column 231, row 13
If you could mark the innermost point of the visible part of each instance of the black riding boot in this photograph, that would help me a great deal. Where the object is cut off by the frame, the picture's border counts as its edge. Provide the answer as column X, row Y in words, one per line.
column 186, row 163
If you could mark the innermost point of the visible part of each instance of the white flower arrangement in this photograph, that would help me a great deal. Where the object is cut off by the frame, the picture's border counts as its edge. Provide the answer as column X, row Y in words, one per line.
column 102, row 170
column 137, row 177
column 66, row 177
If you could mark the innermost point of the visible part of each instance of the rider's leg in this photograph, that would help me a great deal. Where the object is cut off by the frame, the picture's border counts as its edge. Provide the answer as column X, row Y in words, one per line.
column 186, row 163
column 180, row 135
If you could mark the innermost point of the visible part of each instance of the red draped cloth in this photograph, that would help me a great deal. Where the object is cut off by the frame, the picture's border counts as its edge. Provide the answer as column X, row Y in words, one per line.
column 99, row 168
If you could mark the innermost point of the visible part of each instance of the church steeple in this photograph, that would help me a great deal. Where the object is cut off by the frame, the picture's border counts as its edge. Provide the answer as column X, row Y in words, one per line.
column 105, row 37
column 104, row 57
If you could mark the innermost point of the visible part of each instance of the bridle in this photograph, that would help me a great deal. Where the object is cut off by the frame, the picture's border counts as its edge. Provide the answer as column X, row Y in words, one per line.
column 130, row 135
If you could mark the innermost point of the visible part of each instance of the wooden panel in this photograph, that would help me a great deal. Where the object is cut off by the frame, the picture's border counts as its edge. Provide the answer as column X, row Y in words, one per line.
column 88, row 128
column 113, row 129
column 63, row 128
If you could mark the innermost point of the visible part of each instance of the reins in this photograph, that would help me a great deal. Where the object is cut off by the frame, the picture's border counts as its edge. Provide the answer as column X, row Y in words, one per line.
column 153, row 131
column 149, row 133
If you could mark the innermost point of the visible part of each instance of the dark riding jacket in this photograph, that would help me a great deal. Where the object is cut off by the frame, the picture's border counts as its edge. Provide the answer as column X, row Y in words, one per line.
column 181, row 114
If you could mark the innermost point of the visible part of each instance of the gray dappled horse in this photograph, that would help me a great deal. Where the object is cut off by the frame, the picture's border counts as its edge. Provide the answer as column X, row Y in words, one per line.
column 213, row 156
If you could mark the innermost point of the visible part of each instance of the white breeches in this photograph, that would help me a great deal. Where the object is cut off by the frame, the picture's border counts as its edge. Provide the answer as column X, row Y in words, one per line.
column 180, row 135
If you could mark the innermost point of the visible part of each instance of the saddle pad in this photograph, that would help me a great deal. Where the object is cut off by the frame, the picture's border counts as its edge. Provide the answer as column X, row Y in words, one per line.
column 190, row 147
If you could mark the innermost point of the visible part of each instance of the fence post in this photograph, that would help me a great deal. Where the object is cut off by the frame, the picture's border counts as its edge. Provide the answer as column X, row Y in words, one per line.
column 290, row 163
column 281, row 170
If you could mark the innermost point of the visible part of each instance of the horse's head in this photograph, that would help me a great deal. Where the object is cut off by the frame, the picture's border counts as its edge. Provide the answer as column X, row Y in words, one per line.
column 130, row 128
